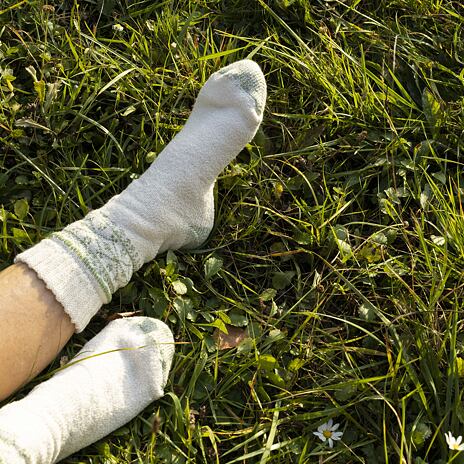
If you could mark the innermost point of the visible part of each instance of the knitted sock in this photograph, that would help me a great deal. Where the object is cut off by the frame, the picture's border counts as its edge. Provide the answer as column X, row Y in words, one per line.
column 111, row 380
column 169, row 207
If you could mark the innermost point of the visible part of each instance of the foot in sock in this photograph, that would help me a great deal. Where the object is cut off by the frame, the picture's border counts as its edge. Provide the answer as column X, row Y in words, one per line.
column 113, row 378
column 169, row 207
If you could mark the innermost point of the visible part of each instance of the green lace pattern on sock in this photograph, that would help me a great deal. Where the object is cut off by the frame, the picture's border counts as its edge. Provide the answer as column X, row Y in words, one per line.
column 103, row 248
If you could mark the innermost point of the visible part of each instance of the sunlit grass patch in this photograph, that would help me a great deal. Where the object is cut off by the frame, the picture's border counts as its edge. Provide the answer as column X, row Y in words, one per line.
column 335, row 267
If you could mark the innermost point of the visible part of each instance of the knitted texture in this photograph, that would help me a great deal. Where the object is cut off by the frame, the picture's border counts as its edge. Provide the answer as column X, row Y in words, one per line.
column 112, row 379
column 170, row 206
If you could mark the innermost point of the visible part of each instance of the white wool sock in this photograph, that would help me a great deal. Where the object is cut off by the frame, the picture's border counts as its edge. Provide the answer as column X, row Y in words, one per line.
column 170, row 206
column 112, row 379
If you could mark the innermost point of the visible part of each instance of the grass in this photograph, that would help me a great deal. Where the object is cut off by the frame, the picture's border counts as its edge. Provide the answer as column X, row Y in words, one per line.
column 339, row 240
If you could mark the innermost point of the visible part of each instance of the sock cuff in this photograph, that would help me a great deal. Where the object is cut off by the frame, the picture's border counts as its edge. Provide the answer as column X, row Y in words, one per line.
column 84, row 264
column 67, row 278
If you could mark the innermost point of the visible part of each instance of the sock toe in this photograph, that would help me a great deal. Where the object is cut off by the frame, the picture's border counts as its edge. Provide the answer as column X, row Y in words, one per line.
column 248, row 75
column 159, row 333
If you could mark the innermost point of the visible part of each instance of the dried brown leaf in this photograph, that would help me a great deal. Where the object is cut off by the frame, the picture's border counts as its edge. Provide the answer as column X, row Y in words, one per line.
column 233, row 338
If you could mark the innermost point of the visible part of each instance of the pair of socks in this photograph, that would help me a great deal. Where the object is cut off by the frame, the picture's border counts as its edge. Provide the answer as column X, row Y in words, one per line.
column 125, row 367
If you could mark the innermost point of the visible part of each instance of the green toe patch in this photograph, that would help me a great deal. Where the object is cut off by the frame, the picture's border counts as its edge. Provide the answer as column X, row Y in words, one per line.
column 147, row 325
column 250, row 81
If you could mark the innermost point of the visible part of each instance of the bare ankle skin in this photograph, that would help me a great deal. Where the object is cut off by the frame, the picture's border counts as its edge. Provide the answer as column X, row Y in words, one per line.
column 33, row 326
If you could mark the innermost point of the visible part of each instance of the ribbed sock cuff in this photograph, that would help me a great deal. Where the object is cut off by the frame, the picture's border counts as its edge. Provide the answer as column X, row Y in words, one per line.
column 67, row 278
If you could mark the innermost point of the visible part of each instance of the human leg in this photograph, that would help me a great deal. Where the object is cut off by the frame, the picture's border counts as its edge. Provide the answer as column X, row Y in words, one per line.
column 33, row 327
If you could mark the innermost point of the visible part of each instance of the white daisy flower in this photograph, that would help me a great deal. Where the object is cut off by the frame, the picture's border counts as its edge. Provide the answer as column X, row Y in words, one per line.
column 454, row 443
column 327, row 432
column 118, row 28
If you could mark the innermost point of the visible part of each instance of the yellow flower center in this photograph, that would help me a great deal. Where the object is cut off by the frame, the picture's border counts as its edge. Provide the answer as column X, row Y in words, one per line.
column 454, row 446
column 327, row 433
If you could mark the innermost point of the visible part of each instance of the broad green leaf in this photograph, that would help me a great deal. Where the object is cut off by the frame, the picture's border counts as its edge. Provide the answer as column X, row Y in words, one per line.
column 341, row 237
column 21, row 180
column 246, row 346
column 224, row 317
column 425, row 197
column 394, row 195
column 160, row 302
column 267, row 362
column 184, row 308
column 237, row 318
column 170, row 269
column 371, row 252
column 275, row 378
column 255, row 330
column 21, row 208
column 212, row 266
column 345, row 393
column 207, row 316
column 296, row 364
column 341, row 232
column 20, row 235
column 303, row 238
column 281, row 280
column 345, row 248
column 171, row 258
column 219, row 324
column 380, row 238
column 419, row 460
column 367, row 312
column 39, row 87
column 179, row 287
column 391, row 235
column 420, row 434
column 7, row 76
column 440, row 176
column 268, row 294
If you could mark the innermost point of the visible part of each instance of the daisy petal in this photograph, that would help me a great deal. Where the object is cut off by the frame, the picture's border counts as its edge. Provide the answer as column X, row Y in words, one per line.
column 331, row 443
column 320, row 436
column 329, row 423
column 337, row 435
column 458, row 441
column 335, row 427
column 448, row 437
